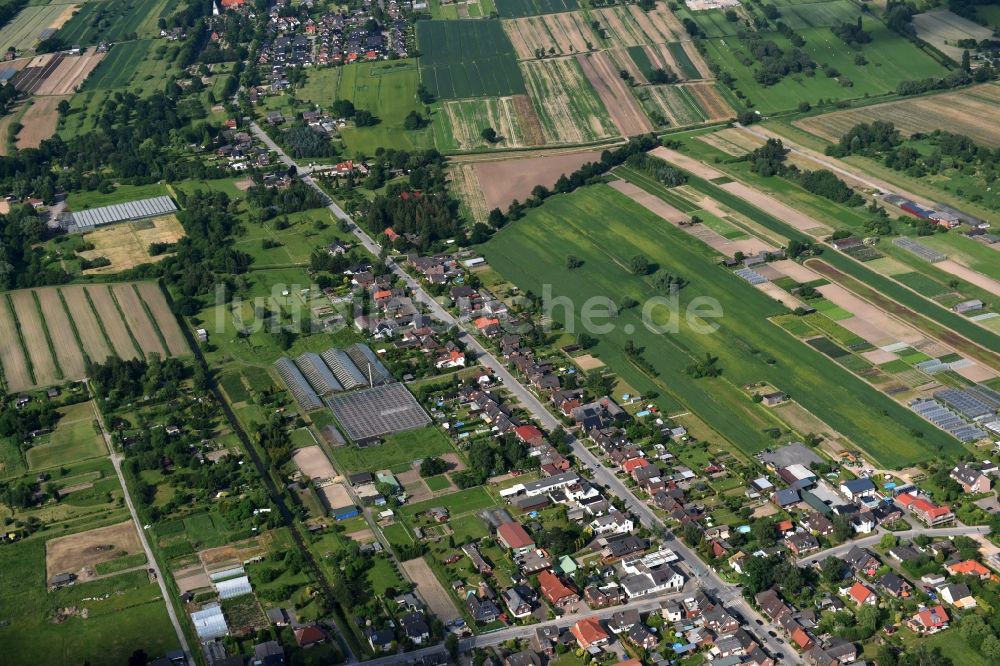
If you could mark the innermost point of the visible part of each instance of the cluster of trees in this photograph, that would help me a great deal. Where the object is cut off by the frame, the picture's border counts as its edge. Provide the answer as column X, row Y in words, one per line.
column 657, row 168
column 487, row 459
column 433, row 216
column 303, row 141
column 21, row 256
column 117, row 382
column 432, row 466
column 20, row 422
column 344, row 108
column 981, row 635
column 852, row 33
column 774, row 63
column 955, row 79
column 769, row 160
column 663, row 75
column 706, row 367
column 270, row 202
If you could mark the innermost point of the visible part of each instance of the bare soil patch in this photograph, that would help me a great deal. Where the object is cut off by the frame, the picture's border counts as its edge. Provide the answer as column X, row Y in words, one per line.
column 244, row 184
column 505, row 180
column 39, row 122
column 456, row 464
column 868, row 321
column 414, row 486
column 70, row 74
column 687, row 163
column 650, row 201
column 313, row 463
column 67, row 349
column 70, row 554
column 977, row 372
column 192, row 578
column 465, row 183
column 112, row 321
column 795, row 270
column 588, row 362
column 969, row 275
column 362, row 536
column 942, row 29
column 777, row 293
column 137, row 320
column 238, row 552
column 94, row 344
column 878, row 356
column 783, row 212
column 614, row 93
column 430, row 590
column 34, row 337
column 531, row 126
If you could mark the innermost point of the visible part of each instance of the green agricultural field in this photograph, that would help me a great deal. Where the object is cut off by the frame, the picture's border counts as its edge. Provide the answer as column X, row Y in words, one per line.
column 891, row 59
column 400, row 448
column 119, row 65
column 113, row 20
column 467, row 59
column 73, row 439
column 798, row 14
column 605, row 229
column 386, row 89
column 519, row 8
column 688, row 69
column 977, row 256
column 131, row 616
column 22, row 31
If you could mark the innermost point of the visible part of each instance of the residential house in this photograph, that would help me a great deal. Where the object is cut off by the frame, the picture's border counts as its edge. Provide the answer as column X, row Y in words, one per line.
column 556, row 591
column 772, row 605
column 658, row 579
column 623, row 620
column 309, row 635
column 518, row 600
column 817, row 523
column 614, row 522
column 861, row 561
column 858, row 490
column 802, row 543
column 484, row 610
column 924, row 510
column 589, row 632
column 802, row 639
column 967, row 568
column 895, row 586
column 598, row 596
column 641, row 636
column 525, row 658
column 972, row 480
column 861, row 594
column 472, row 551
column 381, row 640
column 415, row 627
column 929, row 620
column 958, row 595
column 516, row 538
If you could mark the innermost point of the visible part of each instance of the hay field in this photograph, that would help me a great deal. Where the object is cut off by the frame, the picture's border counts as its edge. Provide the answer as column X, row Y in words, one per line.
column 39, row 121
column 567, row 105
column 614, row 93
column 971, row 112
column 126, row 245
column 630, row 26
column 467, row 118
column 70, row 74
column 75, row 320
column 464, row 183
column 566, row 33
column 942, row 29
column 685, row 104
column 23, row 30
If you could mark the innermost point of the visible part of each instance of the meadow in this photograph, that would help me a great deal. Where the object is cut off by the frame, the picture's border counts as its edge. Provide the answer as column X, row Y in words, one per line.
column 22, row 31
column 113, row 20
column 890, row 60
column 605, row 228
column 386, row 89
column 73, row 439
column 119, row 66
column 467, row 59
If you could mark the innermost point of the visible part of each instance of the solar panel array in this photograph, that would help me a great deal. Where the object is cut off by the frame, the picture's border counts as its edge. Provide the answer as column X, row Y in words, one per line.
column 297, row 384
column 364, row 358
column 343, row 367
column 131, row 210
column 751, row 276
column 235, row 587
column 209, row 622
column 947, row 420
column 318, row 374
column 377, row 411
column 966, row 403
column 919, row 249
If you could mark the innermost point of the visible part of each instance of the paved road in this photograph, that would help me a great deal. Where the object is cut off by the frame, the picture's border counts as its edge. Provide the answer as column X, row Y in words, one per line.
column 116, row 461
column 838, row 551
column 729, row 594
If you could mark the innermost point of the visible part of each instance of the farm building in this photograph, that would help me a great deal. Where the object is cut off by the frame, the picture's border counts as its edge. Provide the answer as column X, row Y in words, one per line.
column 209, row 622
column 338, row 501
column 131, row 210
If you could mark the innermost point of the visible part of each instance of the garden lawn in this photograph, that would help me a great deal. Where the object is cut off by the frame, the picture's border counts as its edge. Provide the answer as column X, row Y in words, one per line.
column 74, row 439
column 462, row 502
column 605, row 229
column 399, row 448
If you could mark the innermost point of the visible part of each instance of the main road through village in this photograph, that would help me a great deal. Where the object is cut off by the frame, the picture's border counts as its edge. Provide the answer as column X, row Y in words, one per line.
column 730, row 595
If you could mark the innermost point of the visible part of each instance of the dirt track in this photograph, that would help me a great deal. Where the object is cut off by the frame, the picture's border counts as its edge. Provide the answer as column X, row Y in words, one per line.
column 431, row 591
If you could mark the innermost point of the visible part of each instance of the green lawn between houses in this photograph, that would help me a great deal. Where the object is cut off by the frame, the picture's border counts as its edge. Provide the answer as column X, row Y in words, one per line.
column 605, row 229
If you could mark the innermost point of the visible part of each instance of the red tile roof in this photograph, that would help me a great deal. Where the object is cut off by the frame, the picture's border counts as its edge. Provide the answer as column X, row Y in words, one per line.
column 515, row 536
column 634, row 463
column 860, row 593
column 968, row 568
column 553, row 588
column 528, row 433
column 925, row 507
column 589, row 631
column 802, row 638
column 309, row 635
column 932, row 618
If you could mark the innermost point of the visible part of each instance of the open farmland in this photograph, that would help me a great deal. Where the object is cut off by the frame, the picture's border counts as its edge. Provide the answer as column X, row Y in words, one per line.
column 891, row 59
column 551, row 34
column 679, row 57
column 70, row 74
column 971, row 112
column 39, row 121
column 464, row 121
column 519, row 8
column 628, row 25
column 614, row 93
column 503, row 181
column 80, row 320
column 467, row 59
column 113, row 20
column 119, row 65
column 567, row 105
column 605, row 228
column 798, row 14
column 686, row 104
column 22, row 32
column 942, row 29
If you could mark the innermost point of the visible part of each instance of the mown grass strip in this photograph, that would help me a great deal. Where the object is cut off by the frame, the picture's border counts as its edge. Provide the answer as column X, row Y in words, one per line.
column 48, row 336
column 152, row 319
column 20, row 339
column 100, row 322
